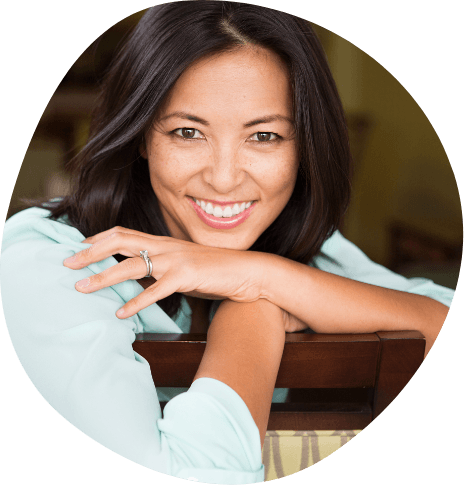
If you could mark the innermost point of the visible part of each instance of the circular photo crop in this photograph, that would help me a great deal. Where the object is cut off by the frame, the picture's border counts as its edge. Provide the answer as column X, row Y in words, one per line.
column 232, row 242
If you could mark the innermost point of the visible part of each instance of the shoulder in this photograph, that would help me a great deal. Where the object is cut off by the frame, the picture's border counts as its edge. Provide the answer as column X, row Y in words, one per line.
column 343, row 258
column 338, row 255
column 34, row 224
column 34, row 248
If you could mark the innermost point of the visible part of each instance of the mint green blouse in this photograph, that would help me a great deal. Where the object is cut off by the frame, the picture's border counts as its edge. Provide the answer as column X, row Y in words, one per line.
column 80, row 356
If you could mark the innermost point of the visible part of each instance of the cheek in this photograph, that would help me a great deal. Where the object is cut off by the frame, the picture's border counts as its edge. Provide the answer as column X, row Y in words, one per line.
column 169, row 170
column 278, row 178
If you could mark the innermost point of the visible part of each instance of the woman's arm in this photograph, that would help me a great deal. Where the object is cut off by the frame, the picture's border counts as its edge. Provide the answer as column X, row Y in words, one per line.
column 80, row 357
column 243, row 350
column 353, row 295
column 330, row 303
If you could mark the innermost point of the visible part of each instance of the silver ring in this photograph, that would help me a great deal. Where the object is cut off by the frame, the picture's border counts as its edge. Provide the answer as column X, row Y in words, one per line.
column 144, row 256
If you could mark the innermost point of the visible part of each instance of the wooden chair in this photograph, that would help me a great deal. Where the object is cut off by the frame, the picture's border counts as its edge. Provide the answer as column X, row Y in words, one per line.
column 335, row 381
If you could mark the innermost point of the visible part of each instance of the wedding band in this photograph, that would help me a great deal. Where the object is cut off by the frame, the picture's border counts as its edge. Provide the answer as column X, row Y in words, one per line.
column 144, row 256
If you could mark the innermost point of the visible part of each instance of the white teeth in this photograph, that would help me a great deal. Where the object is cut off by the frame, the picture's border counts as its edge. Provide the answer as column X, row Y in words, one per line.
column 218, row 211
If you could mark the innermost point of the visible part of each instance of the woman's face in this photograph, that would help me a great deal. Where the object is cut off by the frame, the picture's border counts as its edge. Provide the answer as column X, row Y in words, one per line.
column 222, row 153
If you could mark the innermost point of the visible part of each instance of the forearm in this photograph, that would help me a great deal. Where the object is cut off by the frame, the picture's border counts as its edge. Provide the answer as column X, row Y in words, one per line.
column 244, row 348
column 333, row 304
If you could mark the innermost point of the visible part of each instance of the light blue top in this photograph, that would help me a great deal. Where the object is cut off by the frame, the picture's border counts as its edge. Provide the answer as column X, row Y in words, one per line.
column 80, row 356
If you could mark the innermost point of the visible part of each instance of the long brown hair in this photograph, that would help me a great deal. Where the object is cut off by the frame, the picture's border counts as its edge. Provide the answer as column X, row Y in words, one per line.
column 112, row 181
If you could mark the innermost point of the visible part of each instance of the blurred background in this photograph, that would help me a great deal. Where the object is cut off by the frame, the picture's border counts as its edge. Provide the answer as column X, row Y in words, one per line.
column 405, row 211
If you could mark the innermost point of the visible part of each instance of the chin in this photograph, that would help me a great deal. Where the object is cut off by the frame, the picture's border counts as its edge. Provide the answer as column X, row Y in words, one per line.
column 226, row 241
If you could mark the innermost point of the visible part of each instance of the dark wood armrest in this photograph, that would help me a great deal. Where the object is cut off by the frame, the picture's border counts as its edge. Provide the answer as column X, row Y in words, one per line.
column 338, row 381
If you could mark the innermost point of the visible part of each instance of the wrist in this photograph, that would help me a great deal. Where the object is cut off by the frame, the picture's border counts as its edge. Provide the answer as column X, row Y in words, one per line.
column 266, row 268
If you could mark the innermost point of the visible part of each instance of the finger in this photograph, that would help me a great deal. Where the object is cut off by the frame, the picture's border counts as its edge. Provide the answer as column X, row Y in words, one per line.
column 129, row 269
column 103, row 235
column 164, row 287
column 116, row 243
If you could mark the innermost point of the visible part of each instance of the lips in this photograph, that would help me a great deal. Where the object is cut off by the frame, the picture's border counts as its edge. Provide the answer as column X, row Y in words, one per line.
column 220, row 218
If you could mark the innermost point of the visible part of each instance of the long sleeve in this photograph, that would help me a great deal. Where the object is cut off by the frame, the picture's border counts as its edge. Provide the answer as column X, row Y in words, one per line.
column 80, row 358
column 349, row 261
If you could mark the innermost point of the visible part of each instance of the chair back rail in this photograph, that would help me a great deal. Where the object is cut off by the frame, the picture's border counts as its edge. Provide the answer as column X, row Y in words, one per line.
column 336, row 381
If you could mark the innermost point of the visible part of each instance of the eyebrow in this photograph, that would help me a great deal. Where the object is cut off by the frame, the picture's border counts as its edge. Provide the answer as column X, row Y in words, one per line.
column 185, row 116
column 265, row 119
column 268, row 119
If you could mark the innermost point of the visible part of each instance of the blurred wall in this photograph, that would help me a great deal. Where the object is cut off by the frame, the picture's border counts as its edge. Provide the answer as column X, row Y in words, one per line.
column 401, row 173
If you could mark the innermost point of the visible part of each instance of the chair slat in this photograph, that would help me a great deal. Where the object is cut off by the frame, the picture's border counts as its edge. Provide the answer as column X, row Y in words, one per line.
column 329, row 361
column 308, row 361
column 323, row 416
column 343, row 381
column 401, row 354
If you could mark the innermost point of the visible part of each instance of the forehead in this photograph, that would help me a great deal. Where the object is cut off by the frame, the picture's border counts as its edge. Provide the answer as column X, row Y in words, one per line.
column 245, row 79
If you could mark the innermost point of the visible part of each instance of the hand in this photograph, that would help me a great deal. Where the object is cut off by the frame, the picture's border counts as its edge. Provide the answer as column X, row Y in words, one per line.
column 178, row 266
column 292, row 323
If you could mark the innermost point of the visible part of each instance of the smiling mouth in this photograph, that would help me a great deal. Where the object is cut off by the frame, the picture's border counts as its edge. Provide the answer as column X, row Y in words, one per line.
column 224, row 216
column 223, row 210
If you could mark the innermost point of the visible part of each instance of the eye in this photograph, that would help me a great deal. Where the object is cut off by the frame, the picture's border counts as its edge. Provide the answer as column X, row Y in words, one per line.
column 264, row 136
column 189, row 133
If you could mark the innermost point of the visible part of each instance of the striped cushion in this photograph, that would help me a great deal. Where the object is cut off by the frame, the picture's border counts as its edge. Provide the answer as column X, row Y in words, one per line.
column 287, row 452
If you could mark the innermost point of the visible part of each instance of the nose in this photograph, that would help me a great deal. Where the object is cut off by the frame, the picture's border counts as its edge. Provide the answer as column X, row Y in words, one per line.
column 224, row 172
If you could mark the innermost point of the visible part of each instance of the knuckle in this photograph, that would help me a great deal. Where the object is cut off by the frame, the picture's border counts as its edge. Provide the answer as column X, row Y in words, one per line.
column 85, row 253
column 98, row 279
column 136, row 303
column 117, row 231
column 117, row 239
column 178, row 257
column 152, row 290
column 114, row 234
column 189, row 266
column 133, row 265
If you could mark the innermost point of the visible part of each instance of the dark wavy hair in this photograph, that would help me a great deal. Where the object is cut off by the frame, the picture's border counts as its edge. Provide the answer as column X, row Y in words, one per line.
column 112, row 183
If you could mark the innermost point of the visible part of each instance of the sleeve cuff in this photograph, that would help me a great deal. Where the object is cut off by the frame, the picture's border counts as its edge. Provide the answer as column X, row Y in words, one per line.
column 211, row 436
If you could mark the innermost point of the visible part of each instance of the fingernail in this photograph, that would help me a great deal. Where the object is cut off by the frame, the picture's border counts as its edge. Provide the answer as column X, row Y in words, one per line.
column 83, row 283
column 120, row 312
column 70, row 260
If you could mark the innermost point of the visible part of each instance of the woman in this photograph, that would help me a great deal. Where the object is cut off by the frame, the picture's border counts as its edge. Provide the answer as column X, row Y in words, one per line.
column 217, row 165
